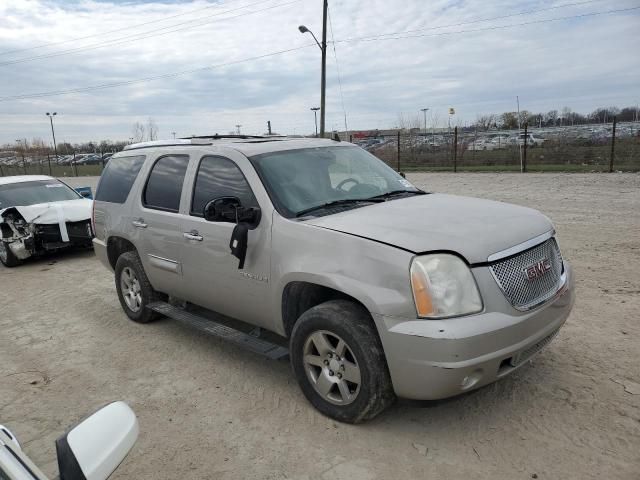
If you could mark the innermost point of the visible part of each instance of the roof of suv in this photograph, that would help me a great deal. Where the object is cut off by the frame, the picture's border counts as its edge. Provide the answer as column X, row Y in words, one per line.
column 23, row 178
column 247, row 145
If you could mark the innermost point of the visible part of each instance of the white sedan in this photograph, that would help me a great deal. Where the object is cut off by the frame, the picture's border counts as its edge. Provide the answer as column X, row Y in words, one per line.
column 39, row 214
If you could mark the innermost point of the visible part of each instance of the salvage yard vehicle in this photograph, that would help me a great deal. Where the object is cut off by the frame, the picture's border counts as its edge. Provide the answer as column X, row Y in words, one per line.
column 41, row 214
column 92, row 450
column 373, row 287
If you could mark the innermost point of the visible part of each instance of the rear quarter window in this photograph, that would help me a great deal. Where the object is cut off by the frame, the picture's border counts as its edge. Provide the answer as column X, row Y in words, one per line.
column 118, row 177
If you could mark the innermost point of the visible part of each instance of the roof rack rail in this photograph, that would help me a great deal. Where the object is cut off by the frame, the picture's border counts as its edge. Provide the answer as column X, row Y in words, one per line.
column 217, row 136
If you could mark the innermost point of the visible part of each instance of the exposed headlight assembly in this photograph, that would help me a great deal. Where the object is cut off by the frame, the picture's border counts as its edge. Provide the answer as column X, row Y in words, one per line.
column 443, row 286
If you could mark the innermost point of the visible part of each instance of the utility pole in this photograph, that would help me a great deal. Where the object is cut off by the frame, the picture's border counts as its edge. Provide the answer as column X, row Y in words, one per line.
column 323, row 83
column 323, row 49
column 53, row 133
column 174, row 135
column 238, row 129
column 269, row 126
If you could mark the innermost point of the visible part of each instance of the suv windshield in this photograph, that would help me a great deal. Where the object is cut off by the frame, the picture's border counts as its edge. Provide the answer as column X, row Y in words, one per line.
column 24, row 194
column 306, row 180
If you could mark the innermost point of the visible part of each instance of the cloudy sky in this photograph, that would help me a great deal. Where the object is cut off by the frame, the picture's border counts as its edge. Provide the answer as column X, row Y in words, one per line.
column 204, row 66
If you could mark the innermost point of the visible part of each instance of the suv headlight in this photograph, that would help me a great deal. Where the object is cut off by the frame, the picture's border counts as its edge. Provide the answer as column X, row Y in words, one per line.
column 443, row 286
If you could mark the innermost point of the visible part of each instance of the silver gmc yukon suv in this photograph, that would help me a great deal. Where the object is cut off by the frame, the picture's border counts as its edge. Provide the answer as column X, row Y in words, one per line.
column 315, row 249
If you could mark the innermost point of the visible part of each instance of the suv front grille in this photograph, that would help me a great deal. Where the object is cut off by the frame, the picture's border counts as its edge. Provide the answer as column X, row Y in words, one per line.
column 526, row 291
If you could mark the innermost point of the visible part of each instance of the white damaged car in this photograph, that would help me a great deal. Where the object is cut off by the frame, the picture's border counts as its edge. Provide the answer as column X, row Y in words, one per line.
column 40, row 214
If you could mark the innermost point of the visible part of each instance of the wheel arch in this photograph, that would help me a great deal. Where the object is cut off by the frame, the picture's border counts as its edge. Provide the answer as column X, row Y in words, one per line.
column 298, row 296
column 116, row 246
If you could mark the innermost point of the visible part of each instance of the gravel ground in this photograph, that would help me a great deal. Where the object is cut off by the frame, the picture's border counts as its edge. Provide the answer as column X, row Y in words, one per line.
column 210, row 410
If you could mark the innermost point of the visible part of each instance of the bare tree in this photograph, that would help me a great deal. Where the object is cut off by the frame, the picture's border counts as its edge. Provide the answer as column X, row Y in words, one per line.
column 485, row 122
column 152, row 129
column 137, row 132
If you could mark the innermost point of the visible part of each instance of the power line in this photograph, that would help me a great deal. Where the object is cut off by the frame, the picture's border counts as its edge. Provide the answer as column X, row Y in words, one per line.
column 148, row 79
column 6, row 52
column 335, row 55
column 150, row 33
column 402, row 35
column 481, row 20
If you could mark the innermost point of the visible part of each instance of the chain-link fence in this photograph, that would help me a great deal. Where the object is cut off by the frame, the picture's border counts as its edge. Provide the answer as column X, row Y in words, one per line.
column 584, row 148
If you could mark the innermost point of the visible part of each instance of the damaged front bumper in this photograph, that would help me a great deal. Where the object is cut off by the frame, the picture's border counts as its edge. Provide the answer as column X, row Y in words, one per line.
column 26, row 239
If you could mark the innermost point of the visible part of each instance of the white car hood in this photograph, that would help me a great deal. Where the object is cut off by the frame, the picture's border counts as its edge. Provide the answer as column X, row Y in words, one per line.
column 54, row 212
column 471, row 227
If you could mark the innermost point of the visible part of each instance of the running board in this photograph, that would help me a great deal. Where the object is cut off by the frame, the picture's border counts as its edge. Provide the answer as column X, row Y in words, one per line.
column 206, row 325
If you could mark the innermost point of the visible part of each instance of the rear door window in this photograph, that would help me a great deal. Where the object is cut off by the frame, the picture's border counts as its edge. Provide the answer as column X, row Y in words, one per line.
column 118, row 177
column 164, row 185
column 219, row 177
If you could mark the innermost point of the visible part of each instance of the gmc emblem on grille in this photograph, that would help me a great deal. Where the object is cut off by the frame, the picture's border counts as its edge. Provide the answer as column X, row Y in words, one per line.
column 537, row 269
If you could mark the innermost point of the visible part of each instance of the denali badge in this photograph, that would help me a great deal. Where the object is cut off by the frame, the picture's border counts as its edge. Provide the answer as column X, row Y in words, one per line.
column 537, row 269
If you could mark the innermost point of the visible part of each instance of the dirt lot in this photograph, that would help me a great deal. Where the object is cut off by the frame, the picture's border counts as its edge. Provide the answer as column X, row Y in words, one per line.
column 209, row 410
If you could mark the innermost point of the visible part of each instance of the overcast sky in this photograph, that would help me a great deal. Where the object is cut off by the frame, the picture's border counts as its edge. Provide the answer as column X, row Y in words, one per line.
column 451, row 57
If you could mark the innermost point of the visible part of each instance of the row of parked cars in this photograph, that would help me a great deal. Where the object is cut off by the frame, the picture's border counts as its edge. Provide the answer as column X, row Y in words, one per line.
column 371, row 287
column 78, row 159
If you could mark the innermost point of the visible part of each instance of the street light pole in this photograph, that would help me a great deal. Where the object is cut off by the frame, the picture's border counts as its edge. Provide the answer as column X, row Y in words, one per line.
column 323, row 49
column 53, row 133
column 425, row 110
column 315, row 116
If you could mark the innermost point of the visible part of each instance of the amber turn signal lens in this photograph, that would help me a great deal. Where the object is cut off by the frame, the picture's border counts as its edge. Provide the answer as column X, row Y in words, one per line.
column 421, row 295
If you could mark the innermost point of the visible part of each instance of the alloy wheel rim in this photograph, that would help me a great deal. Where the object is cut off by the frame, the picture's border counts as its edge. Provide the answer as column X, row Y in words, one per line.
column 130, row 288
column 331, row 367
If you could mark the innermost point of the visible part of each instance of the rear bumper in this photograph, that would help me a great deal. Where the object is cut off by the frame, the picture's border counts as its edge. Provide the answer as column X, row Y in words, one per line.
column 100, row 249
column 432, row 359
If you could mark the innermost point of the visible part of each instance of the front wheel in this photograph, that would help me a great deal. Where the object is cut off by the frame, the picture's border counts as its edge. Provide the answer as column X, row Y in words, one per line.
column 339, row 362
column 7, row 257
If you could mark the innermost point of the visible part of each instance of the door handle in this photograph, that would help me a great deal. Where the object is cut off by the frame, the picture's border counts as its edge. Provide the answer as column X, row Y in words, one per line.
column 193, row 235
column 139, row 223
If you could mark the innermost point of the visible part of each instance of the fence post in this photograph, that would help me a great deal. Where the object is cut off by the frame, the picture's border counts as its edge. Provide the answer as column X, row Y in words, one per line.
column 455, row 149
column 398, row 151
column 613, row 144
column 75, row 166
column 49, row 160
column 524, row 152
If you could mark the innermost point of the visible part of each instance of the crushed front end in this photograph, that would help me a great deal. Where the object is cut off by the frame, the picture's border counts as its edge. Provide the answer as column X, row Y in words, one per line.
column 26, row 239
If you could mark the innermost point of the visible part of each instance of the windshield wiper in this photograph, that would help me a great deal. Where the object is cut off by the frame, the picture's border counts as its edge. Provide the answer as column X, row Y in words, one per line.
column 335, row 203
column 396, row 192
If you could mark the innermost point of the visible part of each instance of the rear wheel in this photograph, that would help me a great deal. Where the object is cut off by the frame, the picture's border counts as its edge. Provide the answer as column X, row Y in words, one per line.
column 134, row 289
column 7, row 257
column 339, row 362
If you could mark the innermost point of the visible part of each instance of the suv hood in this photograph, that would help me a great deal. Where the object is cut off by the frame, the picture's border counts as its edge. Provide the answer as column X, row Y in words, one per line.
column 472, row 227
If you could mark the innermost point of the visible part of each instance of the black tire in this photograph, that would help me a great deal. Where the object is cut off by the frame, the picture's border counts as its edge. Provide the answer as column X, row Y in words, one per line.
column 353, row 324
column 131, row 261
column 7, row 257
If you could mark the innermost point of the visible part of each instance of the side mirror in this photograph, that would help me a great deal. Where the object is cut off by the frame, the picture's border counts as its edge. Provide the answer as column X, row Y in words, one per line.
column 222, row 209
column 85, row 192
column 94, row 448
column 229, row 209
